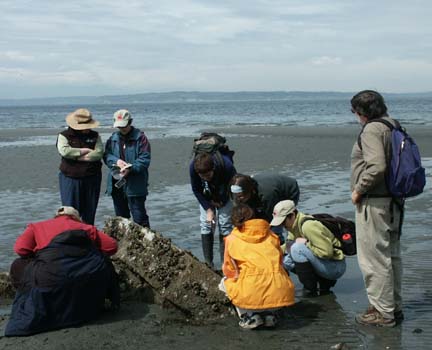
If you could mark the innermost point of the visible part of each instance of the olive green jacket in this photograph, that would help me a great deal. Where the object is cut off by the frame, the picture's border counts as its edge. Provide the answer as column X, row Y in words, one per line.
column 320, row 240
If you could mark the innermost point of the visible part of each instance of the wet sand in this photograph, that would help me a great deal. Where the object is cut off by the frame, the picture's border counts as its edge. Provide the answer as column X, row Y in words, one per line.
column 257, row 149
column 317, row 323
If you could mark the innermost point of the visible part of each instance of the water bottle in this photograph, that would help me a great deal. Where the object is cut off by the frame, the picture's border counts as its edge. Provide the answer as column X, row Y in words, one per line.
column 348, row 244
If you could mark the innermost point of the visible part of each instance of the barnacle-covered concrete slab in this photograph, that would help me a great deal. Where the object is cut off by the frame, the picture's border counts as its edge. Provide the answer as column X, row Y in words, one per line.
column 7, row 291
column 147, row 259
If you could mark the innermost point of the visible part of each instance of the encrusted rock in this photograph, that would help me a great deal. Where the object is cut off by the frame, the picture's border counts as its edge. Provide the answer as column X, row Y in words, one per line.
column 168, row 270
column 7, row 291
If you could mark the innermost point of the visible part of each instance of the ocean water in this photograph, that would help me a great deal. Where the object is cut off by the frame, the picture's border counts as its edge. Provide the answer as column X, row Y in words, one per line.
column 186, row 118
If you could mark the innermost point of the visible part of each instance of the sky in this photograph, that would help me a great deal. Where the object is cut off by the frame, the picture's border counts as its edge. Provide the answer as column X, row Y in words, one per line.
column 54, row 48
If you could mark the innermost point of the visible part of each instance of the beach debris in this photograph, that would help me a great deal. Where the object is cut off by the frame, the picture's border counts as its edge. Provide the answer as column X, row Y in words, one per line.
column 171, row 276
column 7, row 291
column 340, row 346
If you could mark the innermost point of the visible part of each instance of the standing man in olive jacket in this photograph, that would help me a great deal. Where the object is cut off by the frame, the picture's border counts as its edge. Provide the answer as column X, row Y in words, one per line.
column 378, row 215
column 80, row 174
column 127, row 155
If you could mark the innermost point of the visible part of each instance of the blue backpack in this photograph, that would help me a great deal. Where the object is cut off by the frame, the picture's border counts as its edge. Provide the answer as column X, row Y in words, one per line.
column 405, row 177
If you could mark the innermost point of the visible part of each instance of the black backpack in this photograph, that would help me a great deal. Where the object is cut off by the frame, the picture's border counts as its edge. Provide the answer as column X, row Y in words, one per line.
column 210, row 142
column 343, row 229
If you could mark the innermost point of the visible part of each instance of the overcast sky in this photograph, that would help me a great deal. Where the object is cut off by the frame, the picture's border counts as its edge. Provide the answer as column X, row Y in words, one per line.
column 97, row 47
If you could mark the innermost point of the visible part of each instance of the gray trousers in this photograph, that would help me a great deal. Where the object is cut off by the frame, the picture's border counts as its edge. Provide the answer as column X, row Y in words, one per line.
column 378, row 253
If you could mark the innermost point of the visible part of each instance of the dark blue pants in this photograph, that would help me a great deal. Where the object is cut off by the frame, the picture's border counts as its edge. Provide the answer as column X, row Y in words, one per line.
column 82, row 194
column 125, row 205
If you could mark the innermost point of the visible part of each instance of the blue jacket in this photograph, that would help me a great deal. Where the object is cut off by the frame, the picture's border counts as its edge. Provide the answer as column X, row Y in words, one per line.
column 218, row 186
column 137, row 152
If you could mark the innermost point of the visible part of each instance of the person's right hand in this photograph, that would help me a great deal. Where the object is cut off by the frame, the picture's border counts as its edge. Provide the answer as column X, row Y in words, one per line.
column 356, row 197
column 125, row 172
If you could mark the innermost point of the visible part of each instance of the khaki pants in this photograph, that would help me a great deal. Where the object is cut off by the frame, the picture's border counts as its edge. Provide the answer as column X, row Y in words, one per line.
column 378, row 253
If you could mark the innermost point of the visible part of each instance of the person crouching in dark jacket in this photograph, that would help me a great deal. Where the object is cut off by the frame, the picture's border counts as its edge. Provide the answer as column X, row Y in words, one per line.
column 63, row 275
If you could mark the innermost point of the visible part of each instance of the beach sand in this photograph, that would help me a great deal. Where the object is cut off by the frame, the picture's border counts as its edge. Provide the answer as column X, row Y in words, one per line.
column 314, row 323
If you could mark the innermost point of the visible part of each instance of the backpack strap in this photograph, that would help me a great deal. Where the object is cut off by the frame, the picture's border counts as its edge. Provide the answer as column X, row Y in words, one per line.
column 379, row 120
column 316, row 219
column 309, row 218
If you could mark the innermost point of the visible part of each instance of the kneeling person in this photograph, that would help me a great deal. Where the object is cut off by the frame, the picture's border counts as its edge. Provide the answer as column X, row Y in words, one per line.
column 255, row 280
column 63, row 275
column 312, row 251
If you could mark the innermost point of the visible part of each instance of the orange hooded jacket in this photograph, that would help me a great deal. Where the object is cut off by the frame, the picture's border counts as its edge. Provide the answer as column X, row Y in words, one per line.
column 255, row 277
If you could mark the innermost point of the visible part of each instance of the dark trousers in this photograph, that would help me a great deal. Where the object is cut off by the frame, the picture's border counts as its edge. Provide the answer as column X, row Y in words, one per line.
column 125, row 205
column 82, row 194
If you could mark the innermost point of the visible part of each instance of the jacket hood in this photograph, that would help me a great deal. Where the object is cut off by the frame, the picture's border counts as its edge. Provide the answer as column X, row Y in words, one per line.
column 253, row 231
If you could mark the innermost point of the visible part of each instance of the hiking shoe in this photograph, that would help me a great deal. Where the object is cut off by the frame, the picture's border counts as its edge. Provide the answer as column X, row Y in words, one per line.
column 251, row 322
column 270, row 321
column 372, row 317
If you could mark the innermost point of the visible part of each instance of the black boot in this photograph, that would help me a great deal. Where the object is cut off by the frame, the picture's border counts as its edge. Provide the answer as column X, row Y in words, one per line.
column 222, row 247
column 325, row 285
column 307, row 276
column 207, row 246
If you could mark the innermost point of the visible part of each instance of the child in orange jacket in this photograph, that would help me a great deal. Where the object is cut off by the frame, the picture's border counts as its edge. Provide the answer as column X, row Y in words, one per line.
column 255, row 280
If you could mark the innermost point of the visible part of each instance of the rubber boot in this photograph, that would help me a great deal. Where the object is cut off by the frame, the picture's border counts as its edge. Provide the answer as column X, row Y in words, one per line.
column 325, row 284
column 307, row 276
column 207, row 246
column 222, row 248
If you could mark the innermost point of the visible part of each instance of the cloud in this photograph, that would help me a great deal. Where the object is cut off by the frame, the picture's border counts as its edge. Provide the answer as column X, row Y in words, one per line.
column 206, row 44
column 326, row 60
column 16, row 56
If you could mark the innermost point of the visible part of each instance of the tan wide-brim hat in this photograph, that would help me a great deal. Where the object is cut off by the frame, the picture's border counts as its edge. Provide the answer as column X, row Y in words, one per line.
column 81, row 119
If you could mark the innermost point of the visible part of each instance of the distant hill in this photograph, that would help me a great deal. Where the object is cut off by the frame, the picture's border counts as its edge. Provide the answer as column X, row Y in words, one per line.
column 187, row 96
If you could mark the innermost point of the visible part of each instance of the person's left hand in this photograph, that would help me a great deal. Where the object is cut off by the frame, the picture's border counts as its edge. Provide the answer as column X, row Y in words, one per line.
column 301, row 240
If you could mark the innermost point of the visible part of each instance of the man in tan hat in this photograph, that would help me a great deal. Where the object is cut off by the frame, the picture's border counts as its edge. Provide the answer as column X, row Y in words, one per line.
column 80, row 175
column 127, row 155
column 63, row 274
column 312, row 252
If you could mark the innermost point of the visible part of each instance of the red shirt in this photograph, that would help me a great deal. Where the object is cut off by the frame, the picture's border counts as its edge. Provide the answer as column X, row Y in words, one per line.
column 39, row 234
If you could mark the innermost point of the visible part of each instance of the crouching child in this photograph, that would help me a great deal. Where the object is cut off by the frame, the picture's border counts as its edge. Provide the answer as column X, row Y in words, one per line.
column 255, row 280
